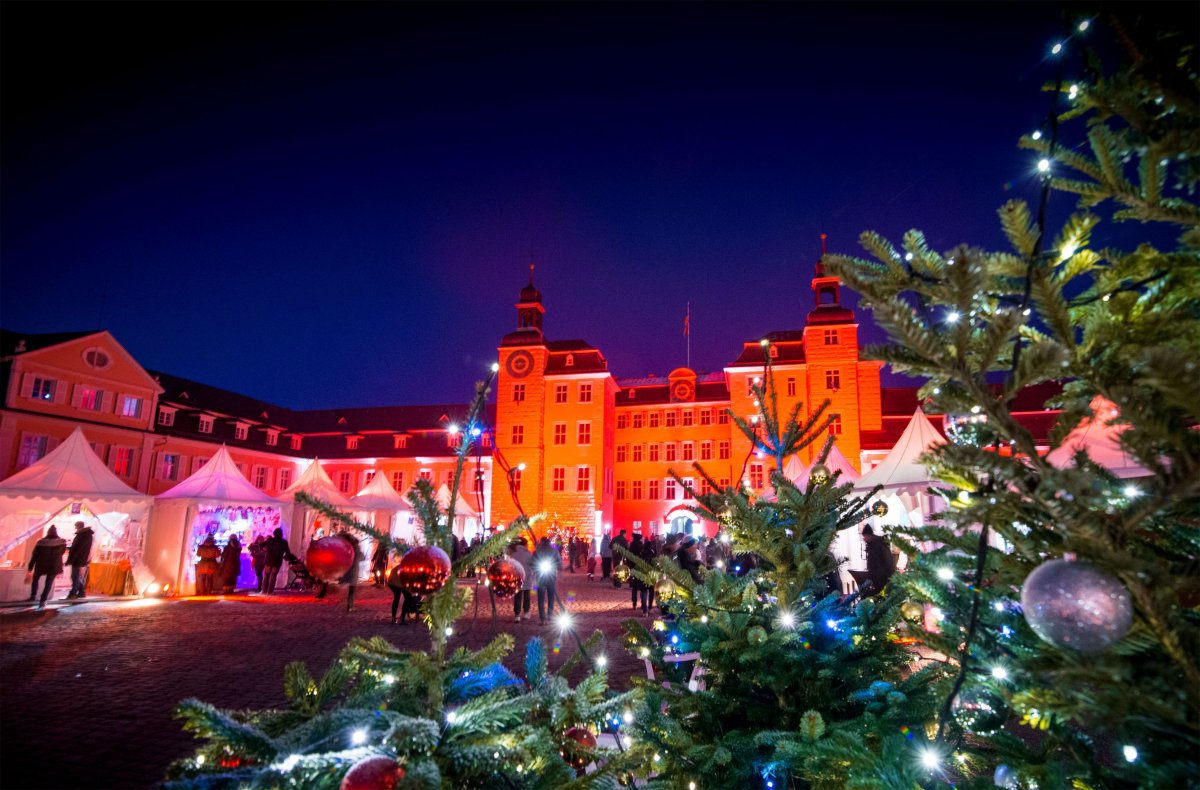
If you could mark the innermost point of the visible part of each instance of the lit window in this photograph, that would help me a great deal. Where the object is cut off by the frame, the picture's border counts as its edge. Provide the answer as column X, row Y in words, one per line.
column 654, row 452
column 639, row 419
column 724, row 481
column 833, row 379
column 689, row 451
column 90, row 399
column 560, row 433
column 585, row 433
column 705, row 451
column 477, row 488
column 637, row 453
column 33, row 447
column 669, row 488
column 723, row 451
column 750, row 382
column 166, row 417
column 689, row 484
column 241, row 431
column 670, row 451
column 791, row 387
column 560, row 393
column 570, row 360
column 453, row 439
column 96, row 358
column 131, row 407
column 774, row 352
column 122, row 461
column 687, row 418
column 706, row 416
column 622, row 422
column 652, row 489
column 516, row 479
column 43, row 388
column 518, row 434
column 558, row 480
column 426, row 475
column 622, row 453
column 168, row 466
column 831, row 337
column 637, row 490
column 585, row 393
column 518, row 393
column 583, row 478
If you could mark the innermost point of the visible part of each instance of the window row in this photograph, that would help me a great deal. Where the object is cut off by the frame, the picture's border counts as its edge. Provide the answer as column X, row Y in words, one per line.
column 671, row 451
column 84, row 397
column 666, row 489
column 562, row 392
column 670, row 418
column 582, row 475
column 583, row 433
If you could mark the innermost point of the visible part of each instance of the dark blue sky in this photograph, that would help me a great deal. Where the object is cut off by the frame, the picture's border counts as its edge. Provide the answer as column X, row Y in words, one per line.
column 336, row 205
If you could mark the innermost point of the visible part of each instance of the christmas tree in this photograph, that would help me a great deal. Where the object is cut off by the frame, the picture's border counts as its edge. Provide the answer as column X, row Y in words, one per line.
column 382, row 718
column 1066, row 582
column 801, row 687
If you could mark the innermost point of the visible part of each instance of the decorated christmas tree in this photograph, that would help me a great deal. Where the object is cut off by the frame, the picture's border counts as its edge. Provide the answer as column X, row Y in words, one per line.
column 382, row 718
column 772, row 677
column 1064, row 585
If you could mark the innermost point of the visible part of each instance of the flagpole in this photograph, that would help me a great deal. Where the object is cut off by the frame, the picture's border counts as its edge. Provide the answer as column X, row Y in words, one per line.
column 689, row 335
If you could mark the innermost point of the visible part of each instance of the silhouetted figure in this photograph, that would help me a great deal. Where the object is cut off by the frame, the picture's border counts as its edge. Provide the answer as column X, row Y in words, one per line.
column 79, row 556
column 46, row 561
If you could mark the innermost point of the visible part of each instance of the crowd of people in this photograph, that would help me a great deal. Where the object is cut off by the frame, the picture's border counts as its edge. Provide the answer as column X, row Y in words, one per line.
column 46, row 562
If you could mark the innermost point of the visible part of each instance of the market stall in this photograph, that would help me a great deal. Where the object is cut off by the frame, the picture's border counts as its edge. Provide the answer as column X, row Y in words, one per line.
column 216, row 500
column 306, row 522
column 466, row 516
column 72, row 484
column 384, row 509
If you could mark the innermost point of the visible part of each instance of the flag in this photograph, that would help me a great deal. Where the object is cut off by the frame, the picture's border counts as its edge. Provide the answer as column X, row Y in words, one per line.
column 687, row 320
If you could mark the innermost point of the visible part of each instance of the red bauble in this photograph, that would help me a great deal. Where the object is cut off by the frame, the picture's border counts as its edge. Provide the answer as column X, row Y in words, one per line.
column 506, row 577
column 578, row 748
column 424, row 569
column 373, row 773
column 329, row 558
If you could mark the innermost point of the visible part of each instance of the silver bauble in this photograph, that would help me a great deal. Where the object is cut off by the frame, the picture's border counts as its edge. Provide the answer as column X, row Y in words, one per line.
column 968, row 429
column 980, row 711
column 1076, row 605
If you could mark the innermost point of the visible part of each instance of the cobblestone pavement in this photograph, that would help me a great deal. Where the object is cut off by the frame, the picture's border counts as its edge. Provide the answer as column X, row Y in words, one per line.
column 87, row 691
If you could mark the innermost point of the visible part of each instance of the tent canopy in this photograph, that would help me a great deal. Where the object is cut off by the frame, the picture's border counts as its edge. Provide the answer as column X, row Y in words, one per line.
column 794, row 470
column 1101, row 439
column 461, row 506
column 901, row 468
column 379, row 495
column 219, row 480
column 836, row 461
column 70, row 470
column 317, row 484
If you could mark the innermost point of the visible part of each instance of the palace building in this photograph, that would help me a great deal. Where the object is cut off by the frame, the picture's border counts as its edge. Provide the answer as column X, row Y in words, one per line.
column 566, row 437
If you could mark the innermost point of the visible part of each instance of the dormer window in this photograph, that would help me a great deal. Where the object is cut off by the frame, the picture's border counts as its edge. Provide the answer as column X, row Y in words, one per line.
column 296, row 440
column 166, row 416
column 240, row 431
column 570, row 360
column 774, row 352
column 400, row 442
column 206, row 423
column 272, row 438
column 352, row 442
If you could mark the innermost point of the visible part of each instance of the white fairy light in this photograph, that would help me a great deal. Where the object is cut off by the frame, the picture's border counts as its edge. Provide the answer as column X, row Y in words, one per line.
column 495, row 367
column 358, row 737
column 945, row 574
column 1037, row 135
column 703, row 619
column 601, row 660
column 451, row 717
column 449, row 631
column 200, row 759
column 1130, row 752
column 1067, row 250
column 564, row 621
column 952, row 316
column 289, row 762
column 1132, row 491
column 452, row 429
column 545, row 567
column 787, row 619
column 930, row 759
column 1084, row 25
column 1043, row 165
column 999, row 673
column 908, row 256
column 1073, row 92
column 1057, row 48
column 627, row 717
column 644, row 652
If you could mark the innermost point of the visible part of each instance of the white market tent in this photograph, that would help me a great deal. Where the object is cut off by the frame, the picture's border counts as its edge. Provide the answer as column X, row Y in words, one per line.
column 1100, row 438
column 317, row 484
column 795, row 470
column 379, row 498
column 836, row 461
column 69, row 484
column 466, row 515
column 215, row 487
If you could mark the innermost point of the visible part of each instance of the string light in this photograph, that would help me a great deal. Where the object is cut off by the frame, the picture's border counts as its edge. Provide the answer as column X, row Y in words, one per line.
column 945, row 574
column 358, row 737
column 601, row 660
column 1043, row 165
column 1037, row 135
column 495, row 367
column 930, row 759
column 999, row 673
column 787, row 619
column 1084, row 25
column 564, row 621
column 449, row 631
column 908, row 256
column 1130, row 752
column 1057, row 48
column 451, row 717
column 1067, row 250
column 1073, row 92
column 1132, row 491
column 627, row 717
column 952, row 317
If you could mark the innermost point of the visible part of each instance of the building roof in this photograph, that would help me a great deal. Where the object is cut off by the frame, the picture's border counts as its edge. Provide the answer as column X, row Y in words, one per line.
column 19, row 342
column 219, row 480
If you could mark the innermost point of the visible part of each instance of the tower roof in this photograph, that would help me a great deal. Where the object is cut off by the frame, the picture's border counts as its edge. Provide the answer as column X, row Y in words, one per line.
column 530, row 293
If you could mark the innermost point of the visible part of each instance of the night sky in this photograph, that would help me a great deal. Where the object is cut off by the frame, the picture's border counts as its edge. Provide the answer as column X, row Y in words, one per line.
column 337, row 205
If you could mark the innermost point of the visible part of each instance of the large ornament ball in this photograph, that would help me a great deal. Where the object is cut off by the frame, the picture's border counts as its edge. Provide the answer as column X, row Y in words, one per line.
column 329, row 558
column 819, row 475
column 1076, row 605
column 665, row 588
column 980, row 711
column 756, row 635
column 578, row 748
column 506, row 577
column 879, row 508
column 621, row 573
column 1005, row 777
column 373, row 773
column 423, row 570
column 912, row 611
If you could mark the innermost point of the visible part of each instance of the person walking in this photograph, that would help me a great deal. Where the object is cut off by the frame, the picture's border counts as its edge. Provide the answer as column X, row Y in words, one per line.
column 411, row 601
column 46, row 561
column 623, row 542
column 231, row 564
column 636, row 585
column 350, row 577
column 206, row 566
column 647, row 554
column 275, row 550
column 548, row 562
column 879, row 561
column 519, row 552
column 379, row 561
column 688, row 557
column 605, row 557
column 257, row 558
column 79, row 556
column 592, row 558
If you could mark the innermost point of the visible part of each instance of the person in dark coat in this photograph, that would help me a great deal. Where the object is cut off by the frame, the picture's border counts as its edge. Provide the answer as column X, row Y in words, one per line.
column 647, row 554
column 688, row 557
column 47, row 560
column 207, row 565
column 379, row 561
column 231, row 564
column 350, row 577
column 547, row 561
column 275, row 550
column 78, row 557
column 257, row 558
column 636, row 585
column 518, row 550
column 879, row 561
column 411, row 601
column 622, row 542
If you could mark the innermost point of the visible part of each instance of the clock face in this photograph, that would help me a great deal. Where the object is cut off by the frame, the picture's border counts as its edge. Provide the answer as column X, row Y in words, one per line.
column 519, row 364
column 682, row 390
